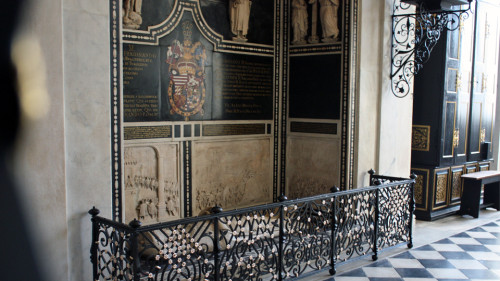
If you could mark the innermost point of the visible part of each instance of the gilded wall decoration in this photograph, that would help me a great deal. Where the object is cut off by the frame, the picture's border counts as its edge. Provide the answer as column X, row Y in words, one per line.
column 152, row 187
column 419, row 190
column 420, row 137
column 231, row 174
column 456, row 191
column 441, row 184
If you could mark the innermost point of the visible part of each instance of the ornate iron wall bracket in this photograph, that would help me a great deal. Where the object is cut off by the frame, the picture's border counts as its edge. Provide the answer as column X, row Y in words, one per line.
column 414, row 35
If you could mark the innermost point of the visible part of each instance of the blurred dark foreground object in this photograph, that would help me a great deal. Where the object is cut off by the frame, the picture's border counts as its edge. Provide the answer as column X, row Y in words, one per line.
column 17, row 258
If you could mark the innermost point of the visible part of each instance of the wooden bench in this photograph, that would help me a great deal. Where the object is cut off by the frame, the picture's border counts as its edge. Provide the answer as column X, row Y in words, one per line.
column 471, row 194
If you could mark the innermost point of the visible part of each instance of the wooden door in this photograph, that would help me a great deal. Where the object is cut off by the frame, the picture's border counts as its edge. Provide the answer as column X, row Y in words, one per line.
column 484, row 78
column 457, row 93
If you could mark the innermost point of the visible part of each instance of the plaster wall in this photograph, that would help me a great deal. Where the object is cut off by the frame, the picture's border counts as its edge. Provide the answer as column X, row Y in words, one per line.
column 63, row 154
column 395, row 113
column 40, row 153
column 383, row 136
column 87, row 124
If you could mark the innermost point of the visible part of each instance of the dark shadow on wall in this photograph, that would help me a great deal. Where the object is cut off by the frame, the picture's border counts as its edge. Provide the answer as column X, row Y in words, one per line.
column 17, row 260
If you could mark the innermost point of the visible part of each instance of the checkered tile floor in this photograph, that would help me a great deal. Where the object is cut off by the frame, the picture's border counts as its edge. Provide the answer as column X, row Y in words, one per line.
column 470, row 255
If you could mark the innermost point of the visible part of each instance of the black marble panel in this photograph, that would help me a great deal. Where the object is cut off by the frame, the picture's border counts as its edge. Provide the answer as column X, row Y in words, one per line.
column 141, row 66
column 313, row 128
column 233, row 129
column 147, row 132
column 243, row 87
column 154, row 12
column 260, row 25
column 187, row 131
column 315, row 87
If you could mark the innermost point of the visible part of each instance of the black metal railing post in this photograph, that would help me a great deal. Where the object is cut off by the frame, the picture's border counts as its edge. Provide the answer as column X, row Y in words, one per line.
column 280, row 267
column 375, row 228
column 134, row 249
column 413, row 176
column 372, row 173
column 95, row 242
column 334, row 231
column 215, row 210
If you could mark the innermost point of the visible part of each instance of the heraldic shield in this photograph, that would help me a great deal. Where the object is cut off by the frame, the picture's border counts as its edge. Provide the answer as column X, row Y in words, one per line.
column 186, row 90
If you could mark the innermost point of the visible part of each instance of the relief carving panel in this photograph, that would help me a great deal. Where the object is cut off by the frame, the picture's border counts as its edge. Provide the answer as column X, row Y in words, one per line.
column 441, row 183
column 456, row 190
column 231, row 174
column 419, row 190
column 312, row 166
column 152, row 186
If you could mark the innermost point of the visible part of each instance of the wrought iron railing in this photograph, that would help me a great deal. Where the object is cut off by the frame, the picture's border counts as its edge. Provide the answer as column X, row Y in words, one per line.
column 284, row 240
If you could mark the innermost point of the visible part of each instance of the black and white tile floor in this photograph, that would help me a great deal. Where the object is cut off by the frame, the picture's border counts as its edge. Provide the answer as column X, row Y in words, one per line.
column 469, row 255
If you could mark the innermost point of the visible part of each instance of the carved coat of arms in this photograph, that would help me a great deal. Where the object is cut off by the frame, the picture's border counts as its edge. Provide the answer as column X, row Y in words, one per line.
column 186, row 90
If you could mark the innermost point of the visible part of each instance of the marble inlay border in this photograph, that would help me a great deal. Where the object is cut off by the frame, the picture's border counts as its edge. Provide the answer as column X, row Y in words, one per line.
column 276, row 144
column 116, row 146
column 349, row 93
column 284, row 90
column 188, row 194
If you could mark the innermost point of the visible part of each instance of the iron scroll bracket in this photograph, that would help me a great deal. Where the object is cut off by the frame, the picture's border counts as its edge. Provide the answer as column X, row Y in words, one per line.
column 414, row 35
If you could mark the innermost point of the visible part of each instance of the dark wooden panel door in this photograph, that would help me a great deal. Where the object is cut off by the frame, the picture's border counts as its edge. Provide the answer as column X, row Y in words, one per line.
column 457, row 94
column 484, row 78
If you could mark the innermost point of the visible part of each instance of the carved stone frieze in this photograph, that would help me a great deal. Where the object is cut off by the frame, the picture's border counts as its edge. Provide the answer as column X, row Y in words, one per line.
column 231, row 174
column 152, row 187
column 311, row 166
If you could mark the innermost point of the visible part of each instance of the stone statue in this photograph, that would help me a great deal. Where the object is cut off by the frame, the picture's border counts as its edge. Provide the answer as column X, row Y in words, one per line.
column 299, row 21
column 239, row 14
column 329, row 17
column 132, row 14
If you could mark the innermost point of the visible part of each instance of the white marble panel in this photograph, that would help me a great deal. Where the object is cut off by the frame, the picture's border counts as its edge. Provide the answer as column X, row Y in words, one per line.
column 152, row 183
column 232, row 174
column 313, row 166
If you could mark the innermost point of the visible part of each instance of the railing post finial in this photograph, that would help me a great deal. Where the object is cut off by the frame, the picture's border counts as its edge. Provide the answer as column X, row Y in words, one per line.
column 335, row 189
column 372, row 172
column 216, row 209
column 135, row 223
column 94, row 211
column 413, row 176
column 282, row 198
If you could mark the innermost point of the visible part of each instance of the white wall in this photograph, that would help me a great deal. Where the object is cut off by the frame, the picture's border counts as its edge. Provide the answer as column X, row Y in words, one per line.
column 40, row 160
column 63, row 158
column 383, row 136
column 87, row 124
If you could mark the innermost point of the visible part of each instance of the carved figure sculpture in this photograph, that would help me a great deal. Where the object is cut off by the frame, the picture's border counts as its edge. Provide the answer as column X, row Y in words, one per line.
column 143, row 209
column 132, row 18
column 328, row 15
column 239, row 14
column 299, row 21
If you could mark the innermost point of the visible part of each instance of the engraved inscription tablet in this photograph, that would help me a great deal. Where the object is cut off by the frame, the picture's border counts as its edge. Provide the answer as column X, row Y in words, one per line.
column 243, row 88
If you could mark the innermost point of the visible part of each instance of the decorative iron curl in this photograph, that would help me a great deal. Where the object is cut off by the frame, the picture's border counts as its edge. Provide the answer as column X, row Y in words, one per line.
column 413, row 38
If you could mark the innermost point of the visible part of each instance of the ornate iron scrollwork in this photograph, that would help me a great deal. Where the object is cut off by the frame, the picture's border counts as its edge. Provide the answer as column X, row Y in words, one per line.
column 414, row 35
